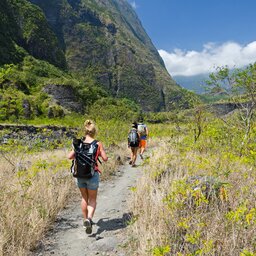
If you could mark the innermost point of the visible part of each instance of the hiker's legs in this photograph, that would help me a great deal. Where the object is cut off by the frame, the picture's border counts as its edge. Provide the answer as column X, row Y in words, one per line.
column 131, row 156
column 134, row 155
column 84, row 202
column 92, row 196
column 143, row 144
column 88, row 206
column 88, row 203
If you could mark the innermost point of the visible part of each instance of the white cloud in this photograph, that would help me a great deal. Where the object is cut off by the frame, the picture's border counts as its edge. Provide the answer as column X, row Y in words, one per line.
column 133, row 4
column 188, row 63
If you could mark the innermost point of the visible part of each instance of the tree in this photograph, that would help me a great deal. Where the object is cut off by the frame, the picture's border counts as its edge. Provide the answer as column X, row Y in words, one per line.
column 240, row 85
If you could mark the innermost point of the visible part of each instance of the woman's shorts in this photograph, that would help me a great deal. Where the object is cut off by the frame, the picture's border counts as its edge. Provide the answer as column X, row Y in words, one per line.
column 92, row 183
column 143, row 143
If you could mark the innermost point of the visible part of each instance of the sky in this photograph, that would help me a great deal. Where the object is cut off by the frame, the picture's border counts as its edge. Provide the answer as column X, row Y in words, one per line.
column 195, row 36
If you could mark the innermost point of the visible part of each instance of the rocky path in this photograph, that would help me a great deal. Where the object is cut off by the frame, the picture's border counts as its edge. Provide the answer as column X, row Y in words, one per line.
column 109, row 232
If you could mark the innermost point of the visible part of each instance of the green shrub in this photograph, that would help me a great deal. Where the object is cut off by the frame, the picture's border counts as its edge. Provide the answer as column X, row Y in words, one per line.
column 118, row 109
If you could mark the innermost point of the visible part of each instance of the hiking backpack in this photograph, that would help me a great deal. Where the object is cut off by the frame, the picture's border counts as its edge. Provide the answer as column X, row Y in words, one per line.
column 86, row 155
column 142, row 129
column 133, row 138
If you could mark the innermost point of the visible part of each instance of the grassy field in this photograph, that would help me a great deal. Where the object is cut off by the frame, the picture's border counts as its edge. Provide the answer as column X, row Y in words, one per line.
column 199, row 183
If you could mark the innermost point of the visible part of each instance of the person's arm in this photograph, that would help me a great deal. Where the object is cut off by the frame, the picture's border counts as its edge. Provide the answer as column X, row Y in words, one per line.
column 128, row 140
column 71, row 155
column 147, row 131
column 102, row 154
column 138, row 136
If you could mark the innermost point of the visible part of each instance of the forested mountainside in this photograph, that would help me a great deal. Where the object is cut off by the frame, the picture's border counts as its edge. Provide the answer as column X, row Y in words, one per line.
column 24, row 30
column 98, row 42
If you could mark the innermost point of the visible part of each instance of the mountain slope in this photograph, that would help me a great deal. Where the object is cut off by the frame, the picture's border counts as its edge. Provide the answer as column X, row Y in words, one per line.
column 107, row 38
column 24, row 30
column 101, row 39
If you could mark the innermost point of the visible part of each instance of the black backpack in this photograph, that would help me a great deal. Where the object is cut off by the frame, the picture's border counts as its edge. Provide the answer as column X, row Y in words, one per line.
column 133, row 138
column 86, row 155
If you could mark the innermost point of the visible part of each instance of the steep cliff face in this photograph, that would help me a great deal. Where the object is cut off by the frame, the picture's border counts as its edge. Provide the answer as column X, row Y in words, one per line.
column 24, row 30
column 100, row 38
column 106, row 38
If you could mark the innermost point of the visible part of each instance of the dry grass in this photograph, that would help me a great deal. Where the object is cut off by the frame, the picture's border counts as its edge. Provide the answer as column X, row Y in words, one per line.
column 171, row 217
column 32, row 192
column 33, row 189
column 118, row 155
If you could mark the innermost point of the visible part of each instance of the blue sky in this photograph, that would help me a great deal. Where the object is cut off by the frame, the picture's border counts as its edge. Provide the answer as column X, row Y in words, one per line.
column 195, row 36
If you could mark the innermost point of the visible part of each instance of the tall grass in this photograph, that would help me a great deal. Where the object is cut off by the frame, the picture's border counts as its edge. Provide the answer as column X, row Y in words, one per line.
column 33, row 189
column 32, row 193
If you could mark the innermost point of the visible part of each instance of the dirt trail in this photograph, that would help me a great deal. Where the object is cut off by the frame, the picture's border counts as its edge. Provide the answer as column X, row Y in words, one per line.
column 109, row 232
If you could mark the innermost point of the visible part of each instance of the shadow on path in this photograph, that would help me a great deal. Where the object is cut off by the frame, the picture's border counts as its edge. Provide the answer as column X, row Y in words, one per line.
column 107, row 224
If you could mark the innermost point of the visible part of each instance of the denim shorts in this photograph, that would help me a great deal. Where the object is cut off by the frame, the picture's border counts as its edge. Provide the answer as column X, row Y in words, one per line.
column 92, row 183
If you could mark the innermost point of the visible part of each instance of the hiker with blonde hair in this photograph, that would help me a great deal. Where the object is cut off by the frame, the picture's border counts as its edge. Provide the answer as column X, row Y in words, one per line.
column 85, row 155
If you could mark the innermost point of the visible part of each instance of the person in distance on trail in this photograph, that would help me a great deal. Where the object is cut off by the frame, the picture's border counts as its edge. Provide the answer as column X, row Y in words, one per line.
column 89, row 186
column 143, row 132
column 133, row 143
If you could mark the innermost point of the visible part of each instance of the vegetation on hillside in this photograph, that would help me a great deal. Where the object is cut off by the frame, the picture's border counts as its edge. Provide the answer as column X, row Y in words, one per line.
column 24, row 30
column 23, row 96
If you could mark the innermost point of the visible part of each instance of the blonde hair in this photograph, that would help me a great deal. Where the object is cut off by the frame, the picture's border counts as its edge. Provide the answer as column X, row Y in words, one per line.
column 90, row 128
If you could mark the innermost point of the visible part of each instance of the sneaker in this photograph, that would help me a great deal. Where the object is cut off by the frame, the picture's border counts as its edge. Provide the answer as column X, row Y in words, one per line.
column 130, row 162
column 88, row 226
column 141, row 156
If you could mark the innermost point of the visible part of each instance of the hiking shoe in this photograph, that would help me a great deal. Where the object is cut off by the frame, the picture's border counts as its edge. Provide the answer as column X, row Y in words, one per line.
column 141, row 156
column 88, row 226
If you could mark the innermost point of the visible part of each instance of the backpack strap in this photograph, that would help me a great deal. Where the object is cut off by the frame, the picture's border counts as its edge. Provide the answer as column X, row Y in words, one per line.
column 97, row 156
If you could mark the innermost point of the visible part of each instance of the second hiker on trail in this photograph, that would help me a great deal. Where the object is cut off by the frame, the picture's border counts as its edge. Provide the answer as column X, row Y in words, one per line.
column 85, row 169
column 133, row 143
column 143, row 132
